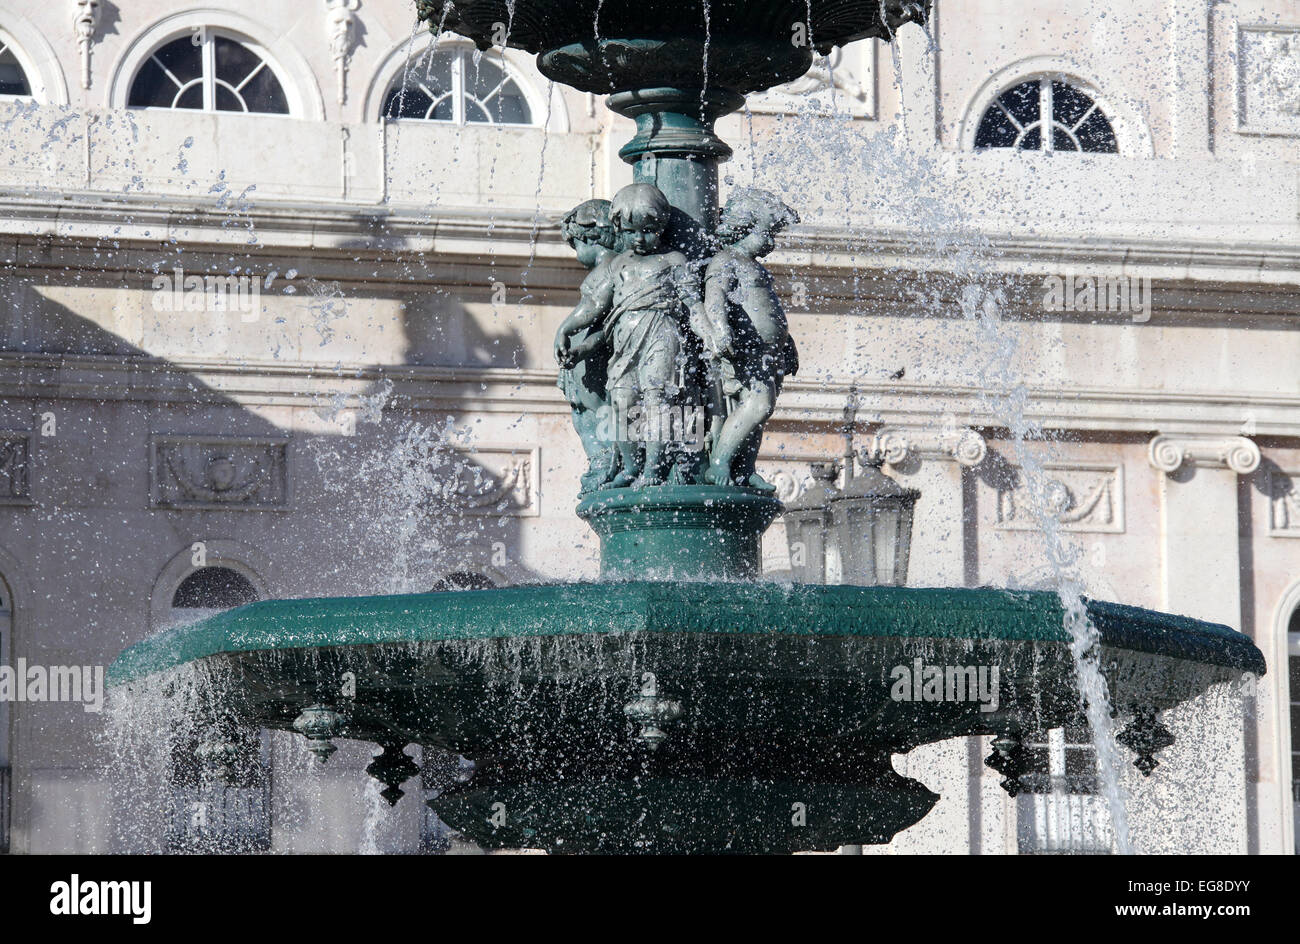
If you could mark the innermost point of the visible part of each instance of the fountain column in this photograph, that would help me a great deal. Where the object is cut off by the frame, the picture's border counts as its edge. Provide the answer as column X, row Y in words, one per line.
column 675, row 147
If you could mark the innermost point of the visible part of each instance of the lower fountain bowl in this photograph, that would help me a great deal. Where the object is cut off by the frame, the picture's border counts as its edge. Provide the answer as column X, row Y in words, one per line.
column 685, row 716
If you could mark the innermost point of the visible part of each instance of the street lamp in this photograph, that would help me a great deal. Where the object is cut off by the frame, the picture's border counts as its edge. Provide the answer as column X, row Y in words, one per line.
column 857, row 533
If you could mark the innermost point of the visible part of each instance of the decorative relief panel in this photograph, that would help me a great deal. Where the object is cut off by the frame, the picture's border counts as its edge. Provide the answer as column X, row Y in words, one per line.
column 1081, row 497
column 15, row 468
column 213, row 473
column 1268, row 80
column 496, row 480
column 850, row 71
column 1283, row 490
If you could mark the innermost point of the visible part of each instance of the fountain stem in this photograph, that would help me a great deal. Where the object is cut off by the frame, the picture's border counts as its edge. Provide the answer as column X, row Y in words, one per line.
column 675, row 147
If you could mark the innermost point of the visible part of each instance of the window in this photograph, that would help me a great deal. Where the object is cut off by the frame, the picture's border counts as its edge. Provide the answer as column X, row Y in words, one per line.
column 214, row 588
column 221, row 812
column 1016, row 120
column 457, row 85
column 13, row 80
column 462, row 580
column 209, row 72
column 227, row 811
column 1061, row 810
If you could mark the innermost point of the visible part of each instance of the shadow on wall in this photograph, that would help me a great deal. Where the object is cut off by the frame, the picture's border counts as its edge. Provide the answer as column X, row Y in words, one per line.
column 120, row 486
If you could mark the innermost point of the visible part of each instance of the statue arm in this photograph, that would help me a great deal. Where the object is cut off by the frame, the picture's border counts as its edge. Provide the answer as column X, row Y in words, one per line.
column 596, row 303
column 719, row 283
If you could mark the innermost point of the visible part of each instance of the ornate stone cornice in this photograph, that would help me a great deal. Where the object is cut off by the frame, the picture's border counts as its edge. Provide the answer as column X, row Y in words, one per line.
column 1168, row 453
column 895, row 444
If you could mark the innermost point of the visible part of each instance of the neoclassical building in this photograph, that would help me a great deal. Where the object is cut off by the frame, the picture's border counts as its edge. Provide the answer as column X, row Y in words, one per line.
column 278, row 288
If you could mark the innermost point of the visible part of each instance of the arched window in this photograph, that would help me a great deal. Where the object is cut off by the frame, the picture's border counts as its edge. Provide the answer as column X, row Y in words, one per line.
column 1046, row 114
column 13, row 80
column 230, row 813
column 457, row 84
column 214, row 588
column 462, row 580
column 208, row 591
column 209, row 71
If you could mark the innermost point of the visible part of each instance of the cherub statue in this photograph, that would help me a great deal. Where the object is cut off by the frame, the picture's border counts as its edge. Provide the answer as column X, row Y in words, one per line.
column 749, row 332
column 647, row 299
column 589, row 232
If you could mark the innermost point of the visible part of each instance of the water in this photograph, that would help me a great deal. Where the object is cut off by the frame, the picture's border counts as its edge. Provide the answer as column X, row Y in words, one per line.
column 414, row 517
column 970, row 271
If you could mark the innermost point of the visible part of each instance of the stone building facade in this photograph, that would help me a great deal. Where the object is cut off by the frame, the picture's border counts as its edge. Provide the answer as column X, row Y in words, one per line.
column 278, row 286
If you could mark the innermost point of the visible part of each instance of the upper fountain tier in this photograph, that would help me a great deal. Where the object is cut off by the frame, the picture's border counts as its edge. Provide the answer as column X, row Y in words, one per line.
column 607, row 46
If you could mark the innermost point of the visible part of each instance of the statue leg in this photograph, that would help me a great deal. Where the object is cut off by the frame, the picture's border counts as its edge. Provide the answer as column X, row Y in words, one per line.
column 623, row 399
column 744, row 427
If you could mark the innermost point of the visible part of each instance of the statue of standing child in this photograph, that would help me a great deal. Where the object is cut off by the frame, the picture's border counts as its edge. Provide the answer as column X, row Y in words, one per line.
column 646, row 301
column 588, row 231
column 750, row 334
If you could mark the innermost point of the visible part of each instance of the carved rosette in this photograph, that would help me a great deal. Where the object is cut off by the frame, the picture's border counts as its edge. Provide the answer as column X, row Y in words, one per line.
column 1170, row 453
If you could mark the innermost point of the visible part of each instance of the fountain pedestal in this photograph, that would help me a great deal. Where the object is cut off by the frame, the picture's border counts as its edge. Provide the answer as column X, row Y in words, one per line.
column 679, row 532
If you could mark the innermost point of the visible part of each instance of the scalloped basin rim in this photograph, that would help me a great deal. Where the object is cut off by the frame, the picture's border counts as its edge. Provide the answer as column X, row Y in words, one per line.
column 983, row 614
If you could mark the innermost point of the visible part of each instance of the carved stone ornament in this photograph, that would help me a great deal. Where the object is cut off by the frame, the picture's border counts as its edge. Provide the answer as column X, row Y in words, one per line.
column 218, row 473
column 897, row 444
column 843, row 82
column 1168, row 453
column 1268, row 79
column 15, row 468
column 495, row 481
column 1078, row 497
column 341, row 28
column 85, row 23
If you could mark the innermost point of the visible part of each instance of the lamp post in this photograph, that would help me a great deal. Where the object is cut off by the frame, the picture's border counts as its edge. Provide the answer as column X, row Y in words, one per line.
column 858, row 532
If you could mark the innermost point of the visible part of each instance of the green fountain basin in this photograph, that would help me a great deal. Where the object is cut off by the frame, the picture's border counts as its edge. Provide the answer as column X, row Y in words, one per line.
column 789, row 696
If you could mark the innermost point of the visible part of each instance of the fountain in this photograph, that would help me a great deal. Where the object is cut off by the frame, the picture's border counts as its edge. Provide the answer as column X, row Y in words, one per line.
column 681, row 704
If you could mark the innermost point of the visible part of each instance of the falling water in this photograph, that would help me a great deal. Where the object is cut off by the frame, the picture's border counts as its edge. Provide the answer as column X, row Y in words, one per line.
column 892, row 155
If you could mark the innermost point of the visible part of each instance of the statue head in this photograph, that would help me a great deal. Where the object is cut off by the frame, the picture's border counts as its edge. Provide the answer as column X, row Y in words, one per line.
column 752, row 218
column 641, row 214
column 589, row 232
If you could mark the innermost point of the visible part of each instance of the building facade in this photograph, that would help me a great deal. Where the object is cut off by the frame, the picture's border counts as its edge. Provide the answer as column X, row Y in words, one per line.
column 278, row 289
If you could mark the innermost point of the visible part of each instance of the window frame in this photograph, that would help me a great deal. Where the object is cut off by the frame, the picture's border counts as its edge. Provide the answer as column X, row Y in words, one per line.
column 1127, row 114
column 298, row 78
column 463, row 51
column 1047, row 125
column 7, row 44
column 208, row 74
